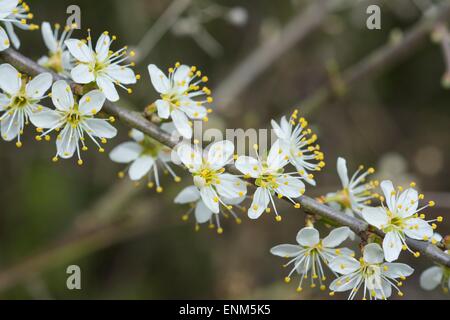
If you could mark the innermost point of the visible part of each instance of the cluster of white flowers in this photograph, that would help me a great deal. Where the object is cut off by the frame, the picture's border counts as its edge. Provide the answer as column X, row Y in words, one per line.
column 91, row 77
column 400, row 218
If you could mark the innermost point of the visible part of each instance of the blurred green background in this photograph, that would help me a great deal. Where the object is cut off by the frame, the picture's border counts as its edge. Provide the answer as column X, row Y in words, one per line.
column 131, row 243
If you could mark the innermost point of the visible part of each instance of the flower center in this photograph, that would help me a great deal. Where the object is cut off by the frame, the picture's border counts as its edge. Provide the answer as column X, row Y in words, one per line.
column 172, row 99
column 267, row 181
column 19, row 101
column 151, row 147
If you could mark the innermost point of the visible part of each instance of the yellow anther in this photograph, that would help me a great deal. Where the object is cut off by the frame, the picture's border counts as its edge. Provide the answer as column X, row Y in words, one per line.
column 278, row 218
column 159, row 189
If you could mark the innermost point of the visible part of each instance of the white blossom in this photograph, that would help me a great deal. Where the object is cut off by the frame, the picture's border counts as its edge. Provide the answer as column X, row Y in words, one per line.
column 19, row 101
column 101, row 65
column 191, row 195
column 144, row 155
column 399, row 219
column 371, row 273
column 74, row 120
column 59, row 58
column 271, row 180
column 311, row 254
column 208, row 170
column 297, row 140
column 357, row 193
column 183, row 96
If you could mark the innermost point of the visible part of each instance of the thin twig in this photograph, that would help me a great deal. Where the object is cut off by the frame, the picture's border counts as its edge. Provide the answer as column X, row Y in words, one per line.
column 138, row 121
column 161, row 26
column 259, row 60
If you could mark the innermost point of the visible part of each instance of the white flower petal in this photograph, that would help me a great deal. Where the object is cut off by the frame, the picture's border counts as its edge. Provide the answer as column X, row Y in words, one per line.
column 137, row 135
column 140, row 167
column 308, row 237
column 210, row 198
column 159, row 79
column 342, row 171
column 49, row 39
column 389, row 194
column 37, row 87
column 182, row 75
column 418, row 229
column 108, row 88
column 10, row 80
column 102, row 46
column 10, row 127
column 336, row 237
column 286, row 250
column 202, row 213
column 397, row 270
column 14, row 39
column 4, row 40
column 277, row 157
column 7, row 7
column 4, row 102
column 385, row 291
column 290, row 186
column 284, row 130
column 248, row 166
column 99, row 128
column 375, row 216
column 121, row 74
column 188, row 195
column 62, row 96
column 373, row 253
column 219, row 154
column 67, row 142
column 344, row 265
column 92, row 102
column 126, row 152
column 192, row 110
column 409, row 202
column 79, row 50
column 181, row 122
column 190, row 157
column 46, row 118
column 344, row 283
column 230, row 186
column 392, row 246
column 82, row 74
column 431, row 278
column 260, row 201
